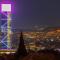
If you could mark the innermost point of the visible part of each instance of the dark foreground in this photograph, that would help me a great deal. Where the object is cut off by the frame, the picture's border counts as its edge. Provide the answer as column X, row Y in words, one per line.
column 40, row 55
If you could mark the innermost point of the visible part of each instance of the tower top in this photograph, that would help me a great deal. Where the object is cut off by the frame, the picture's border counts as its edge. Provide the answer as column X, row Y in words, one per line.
column 5, row 7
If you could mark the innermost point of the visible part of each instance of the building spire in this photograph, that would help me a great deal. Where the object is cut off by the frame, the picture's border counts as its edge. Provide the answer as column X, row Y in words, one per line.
column 21, row 48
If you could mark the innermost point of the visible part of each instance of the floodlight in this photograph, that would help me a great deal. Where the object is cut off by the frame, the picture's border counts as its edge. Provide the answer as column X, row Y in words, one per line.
column 6, row 7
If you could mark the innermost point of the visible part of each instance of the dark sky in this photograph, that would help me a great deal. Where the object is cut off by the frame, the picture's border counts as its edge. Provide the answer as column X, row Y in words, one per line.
column 29, row 13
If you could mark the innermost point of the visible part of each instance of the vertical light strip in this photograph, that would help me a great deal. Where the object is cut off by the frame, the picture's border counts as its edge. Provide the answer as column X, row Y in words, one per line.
column 8, row 29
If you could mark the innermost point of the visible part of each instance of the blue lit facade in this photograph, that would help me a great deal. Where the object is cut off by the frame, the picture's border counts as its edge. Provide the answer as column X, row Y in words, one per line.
column 3, row 40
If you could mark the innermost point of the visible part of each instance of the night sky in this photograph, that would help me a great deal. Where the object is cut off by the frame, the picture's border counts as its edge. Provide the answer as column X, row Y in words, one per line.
column 30, row 13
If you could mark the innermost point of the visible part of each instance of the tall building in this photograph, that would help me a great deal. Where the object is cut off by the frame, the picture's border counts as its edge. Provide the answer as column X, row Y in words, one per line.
column 5, row 26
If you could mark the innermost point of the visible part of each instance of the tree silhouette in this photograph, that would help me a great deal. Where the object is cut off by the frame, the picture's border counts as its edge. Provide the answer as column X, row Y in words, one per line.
column 21, row 51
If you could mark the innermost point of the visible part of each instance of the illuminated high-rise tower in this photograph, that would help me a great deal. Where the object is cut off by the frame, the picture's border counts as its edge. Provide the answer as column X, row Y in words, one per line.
column 5, row 11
